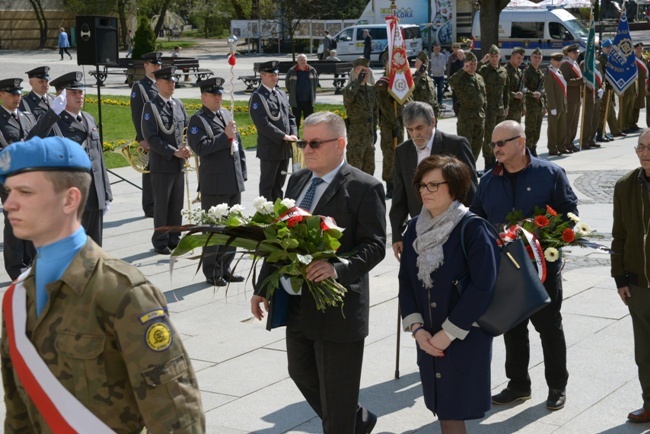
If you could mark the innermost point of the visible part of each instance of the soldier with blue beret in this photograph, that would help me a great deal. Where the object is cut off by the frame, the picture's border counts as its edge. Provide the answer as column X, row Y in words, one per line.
column 95, row 335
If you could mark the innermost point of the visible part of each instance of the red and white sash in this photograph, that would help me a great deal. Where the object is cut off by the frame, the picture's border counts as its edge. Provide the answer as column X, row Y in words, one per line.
column 63, row 413
column 641, row 65
column 559, row 79
column 574, row 66
column 599, row 79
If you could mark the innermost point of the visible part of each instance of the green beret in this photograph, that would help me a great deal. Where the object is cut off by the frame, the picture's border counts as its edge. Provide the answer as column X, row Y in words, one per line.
column 361, row 61
column 470, row 57
column 519, row 50
column 494, row 50
column 423, row 57
column 537, row 51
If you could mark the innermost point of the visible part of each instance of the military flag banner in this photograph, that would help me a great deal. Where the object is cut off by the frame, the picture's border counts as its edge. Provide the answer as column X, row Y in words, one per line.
column 400, row 79
column 621, row 68
column 590, row 57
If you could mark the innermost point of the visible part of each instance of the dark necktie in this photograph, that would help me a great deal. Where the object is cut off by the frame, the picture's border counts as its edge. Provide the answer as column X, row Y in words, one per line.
column 171, row 107
column 45, row 101
column 309, row 196
column 17, row 119
column 80, row 119
column 220, row 116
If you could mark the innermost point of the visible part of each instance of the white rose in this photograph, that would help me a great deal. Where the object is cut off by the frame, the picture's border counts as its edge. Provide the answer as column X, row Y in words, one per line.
column 258, row 203
column 288, row 203
column 218, row 211
column 237, row 209
column 573, row 217
column 267, row 208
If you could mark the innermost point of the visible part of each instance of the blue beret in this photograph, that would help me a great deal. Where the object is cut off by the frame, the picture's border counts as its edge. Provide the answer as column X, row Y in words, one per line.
column 607, row 43
column 50, row 153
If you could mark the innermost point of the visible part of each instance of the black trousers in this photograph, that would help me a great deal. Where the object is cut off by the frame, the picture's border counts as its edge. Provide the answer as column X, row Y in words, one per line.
column 548, row 323
column 328, row 374
column 217, row 259
column 303, row 110
column 273, row 173
column 93, row 223
column 18, row 254
column 168, row 190
column 147, row 195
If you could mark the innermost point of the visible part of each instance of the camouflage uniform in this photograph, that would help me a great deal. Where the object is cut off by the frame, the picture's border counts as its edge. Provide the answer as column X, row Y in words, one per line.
column 106, row 336
column 498, row 99
column 361, row 106
column 425, row 91
column 535, row 107
column 515, row 84
column 471, row 94
column 391, row 126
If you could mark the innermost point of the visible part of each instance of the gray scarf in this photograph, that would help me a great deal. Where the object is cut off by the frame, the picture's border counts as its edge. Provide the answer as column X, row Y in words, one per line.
column 432, row 233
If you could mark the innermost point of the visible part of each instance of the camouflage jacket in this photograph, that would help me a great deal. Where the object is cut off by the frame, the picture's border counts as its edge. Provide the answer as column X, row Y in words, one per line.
column 360, row 102
column 534, row 82
column 106, row 336
column 496, row 86
column 515, row 84
column 424, row 90
column 470, row 91
column 387, row 116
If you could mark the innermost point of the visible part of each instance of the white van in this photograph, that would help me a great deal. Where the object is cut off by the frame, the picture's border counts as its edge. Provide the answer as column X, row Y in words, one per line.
column 550, row 30
column 349, row 42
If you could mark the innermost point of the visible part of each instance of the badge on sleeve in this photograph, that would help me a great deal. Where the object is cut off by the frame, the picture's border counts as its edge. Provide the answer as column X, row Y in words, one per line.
column 254, row 106
column 194, row 130
column 147, row 116
column 158, row 336
column 133, row 95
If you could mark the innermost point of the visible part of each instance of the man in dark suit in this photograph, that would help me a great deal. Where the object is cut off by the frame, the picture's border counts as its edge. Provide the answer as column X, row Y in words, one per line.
column 270, row 111
column 325, row 349
column 212, row 135
column 80, row 127
column 163, row 121
column 142, row 92
column 420, row 121
column 38, row 101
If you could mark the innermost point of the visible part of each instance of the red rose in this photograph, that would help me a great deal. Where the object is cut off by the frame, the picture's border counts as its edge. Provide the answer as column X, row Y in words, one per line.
column 294, row 221
column 551, row 211
column 541, row 221
column 568, row 236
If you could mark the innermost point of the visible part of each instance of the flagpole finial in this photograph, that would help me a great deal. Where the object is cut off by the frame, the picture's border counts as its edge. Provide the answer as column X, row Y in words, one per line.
column 393, row 7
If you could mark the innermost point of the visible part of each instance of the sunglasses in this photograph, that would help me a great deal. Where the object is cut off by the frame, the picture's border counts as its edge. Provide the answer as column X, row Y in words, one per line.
column 314, row 144
column 501, row 143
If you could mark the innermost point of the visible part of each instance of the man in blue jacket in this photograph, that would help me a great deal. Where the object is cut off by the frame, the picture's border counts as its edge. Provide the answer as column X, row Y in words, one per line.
column 522, row 182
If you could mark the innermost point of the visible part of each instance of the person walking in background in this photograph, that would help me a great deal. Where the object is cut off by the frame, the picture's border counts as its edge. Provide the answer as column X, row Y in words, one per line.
column 453, row 356
column 521, row 182
column 129, row 43
column 630, row 245
column 367, row 44
column 64, row 43
column 327, row 45
column 301, row 83
column 438, row 66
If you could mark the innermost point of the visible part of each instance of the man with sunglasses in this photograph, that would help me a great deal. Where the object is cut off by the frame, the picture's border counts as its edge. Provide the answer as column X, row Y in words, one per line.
column 325, row 349
column 521, row 182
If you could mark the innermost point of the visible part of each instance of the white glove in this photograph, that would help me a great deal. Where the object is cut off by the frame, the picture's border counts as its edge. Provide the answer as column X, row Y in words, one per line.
column 107, row 205
column 600, row 93
column 235, row 146
column 554, row 112
column 59, row 103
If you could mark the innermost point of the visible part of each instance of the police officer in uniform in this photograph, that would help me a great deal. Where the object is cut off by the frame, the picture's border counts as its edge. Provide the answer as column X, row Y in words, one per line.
column 17, row 126
column 212, row 135
column 469, row 88
column 142, row 92
column 424, row 88
column 100, row 330
column 535, row 100
column 163, row 121
column 571, row 73
column 270, row 111
column 555, row 87
column 497, row 89
column 360, row 101
column 80, row 126
column 38, row 101
column 516, row 85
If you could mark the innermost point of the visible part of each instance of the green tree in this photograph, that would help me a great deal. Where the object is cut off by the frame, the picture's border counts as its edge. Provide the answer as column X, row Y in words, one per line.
column 490, row 10
column 144, row 40
column 42, row 21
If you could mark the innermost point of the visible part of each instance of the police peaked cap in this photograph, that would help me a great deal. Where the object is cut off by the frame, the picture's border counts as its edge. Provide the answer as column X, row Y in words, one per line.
column 11, row 85
column 40, row 72
column 212, row 85
column 271, row 66
column 71, row 80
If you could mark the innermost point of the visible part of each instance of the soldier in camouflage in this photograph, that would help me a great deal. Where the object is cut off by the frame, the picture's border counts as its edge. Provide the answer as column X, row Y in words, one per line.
column 360, row 103
column 516, row 85
column 425, row 87
column 100, row 327
column 470, row 92
column 535, row 100
column 495, row 77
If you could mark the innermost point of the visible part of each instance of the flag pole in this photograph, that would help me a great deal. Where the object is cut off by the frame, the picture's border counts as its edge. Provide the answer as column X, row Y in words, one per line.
column 588, row 58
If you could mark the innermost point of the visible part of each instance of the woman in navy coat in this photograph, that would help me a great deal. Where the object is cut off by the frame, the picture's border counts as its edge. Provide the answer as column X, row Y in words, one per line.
column 453, row 355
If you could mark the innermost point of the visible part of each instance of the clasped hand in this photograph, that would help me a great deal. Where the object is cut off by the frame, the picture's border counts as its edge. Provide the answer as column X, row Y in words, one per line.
column 183, row 153
column 433, row 345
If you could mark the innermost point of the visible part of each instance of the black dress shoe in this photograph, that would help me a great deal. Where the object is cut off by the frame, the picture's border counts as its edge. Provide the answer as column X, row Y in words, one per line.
column 368, row 426
column 234, row 278
column 574, row 148
column 148, row 215
column 603, row 139
column 620, row 134
column 163, row 250
column 567, row 151
column 586, row 146
column 217, row 281
column 556, row 399
column 508, row 396
column 554, row 153
column 594, row 145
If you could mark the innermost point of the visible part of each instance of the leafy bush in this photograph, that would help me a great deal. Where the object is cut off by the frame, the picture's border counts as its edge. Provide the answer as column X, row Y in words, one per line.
column 144, row 40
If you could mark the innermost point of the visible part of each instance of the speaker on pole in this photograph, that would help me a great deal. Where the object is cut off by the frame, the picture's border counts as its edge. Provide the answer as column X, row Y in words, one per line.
column 97, row 42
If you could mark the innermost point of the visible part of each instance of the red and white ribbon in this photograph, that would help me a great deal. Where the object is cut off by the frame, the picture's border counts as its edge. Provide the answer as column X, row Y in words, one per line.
column 512, row 233
column 62, row 411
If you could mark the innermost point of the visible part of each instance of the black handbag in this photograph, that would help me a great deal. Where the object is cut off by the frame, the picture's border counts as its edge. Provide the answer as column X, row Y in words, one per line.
column 518, row 292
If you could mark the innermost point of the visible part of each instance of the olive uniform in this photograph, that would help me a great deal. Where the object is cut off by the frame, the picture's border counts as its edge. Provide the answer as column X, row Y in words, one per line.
column 424, row 88
column 360, row 102
column 574, row 80
column 498, row 99
column 555, row 88
column 515, row 84
column 471, row 94
column 391, row 127
column 535, row 107
column 639, row 103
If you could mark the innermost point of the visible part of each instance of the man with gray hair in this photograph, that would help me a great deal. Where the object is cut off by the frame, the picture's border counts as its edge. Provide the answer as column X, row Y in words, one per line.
column 426, row 139
column 325, row 349
column 301, row 83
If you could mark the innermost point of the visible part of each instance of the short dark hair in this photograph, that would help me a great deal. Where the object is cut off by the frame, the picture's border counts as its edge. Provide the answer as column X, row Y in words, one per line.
column 455, row 173
column 62, row 180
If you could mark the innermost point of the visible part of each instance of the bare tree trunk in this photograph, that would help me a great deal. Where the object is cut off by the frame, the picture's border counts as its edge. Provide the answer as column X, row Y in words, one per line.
column 121, row 13
column 490, row 10
column 161, row 17
column 42, row 22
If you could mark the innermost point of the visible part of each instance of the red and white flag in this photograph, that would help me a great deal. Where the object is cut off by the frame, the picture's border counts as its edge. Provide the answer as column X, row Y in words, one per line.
column 400, row 83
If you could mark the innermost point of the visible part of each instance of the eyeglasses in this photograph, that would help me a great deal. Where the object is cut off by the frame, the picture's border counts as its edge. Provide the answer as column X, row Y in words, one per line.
column 431, row 187
column 501, row 143
column 314, row 144
column 641, row 148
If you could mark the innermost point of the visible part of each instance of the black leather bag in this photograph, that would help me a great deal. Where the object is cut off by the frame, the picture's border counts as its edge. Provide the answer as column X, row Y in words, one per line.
column 518, row 292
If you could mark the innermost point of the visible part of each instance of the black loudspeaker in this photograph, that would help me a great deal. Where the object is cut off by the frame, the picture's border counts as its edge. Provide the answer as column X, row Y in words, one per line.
column 97, row 40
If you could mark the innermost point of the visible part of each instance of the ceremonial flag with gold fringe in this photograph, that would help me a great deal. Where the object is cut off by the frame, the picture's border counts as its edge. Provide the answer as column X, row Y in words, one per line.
column 400, row 79
column 621, row 66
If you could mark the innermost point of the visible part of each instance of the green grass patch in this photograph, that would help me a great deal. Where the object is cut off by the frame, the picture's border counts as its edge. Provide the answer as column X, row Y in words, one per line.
column 118, row 126
column 169, row 45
